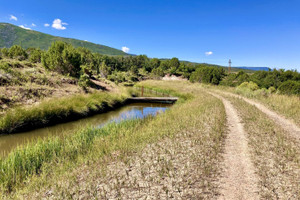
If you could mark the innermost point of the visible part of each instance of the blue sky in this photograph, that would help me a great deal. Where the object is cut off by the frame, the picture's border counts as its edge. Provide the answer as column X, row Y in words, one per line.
column 250, row 32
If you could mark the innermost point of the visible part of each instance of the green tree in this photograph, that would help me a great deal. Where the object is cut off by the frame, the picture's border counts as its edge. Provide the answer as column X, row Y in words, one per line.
column 17, row 52
column 5, row 52
column 63, row 58
column 154, row 63
column 35, row 55
column 104, row 70
column 174, row 63
column 208, row 75
column 290, row 87
column 158, row 72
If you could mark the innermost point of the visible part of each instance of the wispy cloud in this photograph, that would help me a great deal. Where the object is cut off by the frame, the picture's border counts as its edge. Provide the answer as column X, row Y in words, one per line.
column 208, row 53
column 33, row 25
column 22, row 26
column 125, row 49
column 46, row 25
column 58, row 24
column 13, row 18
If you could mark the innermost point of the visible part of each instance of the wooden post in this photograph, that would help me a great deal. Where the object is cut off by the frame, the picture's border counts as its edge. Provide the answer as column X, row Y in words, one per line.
column 142, row 91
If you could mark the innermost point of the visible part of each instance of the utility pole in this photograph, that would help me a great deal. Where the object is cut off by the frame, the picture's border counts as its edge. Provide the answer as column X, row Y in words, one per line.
column 229, row 68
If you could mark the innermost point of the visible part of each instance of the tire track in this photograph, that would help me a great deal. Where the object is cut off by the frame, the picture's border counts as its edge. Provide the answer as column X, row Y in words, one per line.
column 239, row 180
column 286, row 124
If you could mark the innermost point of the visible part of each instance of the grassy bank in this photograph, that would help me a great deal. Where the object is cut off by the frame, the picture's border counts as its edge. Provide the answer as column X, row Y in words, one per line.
column 56, row 110
column 32, row 159
column 89, row 151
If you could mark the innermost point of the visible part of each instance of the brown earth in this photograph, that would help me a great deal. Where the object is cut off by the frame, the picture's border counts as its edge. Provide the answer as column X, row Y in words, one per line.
column 238, row 180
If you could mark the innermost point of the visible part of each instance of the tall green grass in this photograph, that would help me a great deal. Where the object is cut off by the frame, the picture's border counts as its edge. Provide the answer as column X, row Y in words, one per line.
column 28, row 160
column 57, row 110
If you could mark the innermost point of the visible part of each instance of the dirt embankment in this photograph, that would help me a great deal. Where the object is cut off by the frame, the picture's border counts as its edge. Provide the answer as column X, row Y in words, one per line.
column 24, row 83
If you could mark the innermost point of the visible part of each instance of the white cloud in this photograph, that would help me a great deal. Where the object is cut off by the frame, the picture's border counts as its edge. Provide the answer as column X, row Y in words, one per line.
column 58, row 24
column 125, row 49
column 13, row 18
column 209, row 53
column 46, row 25
column 25, row 27
column 33, row 25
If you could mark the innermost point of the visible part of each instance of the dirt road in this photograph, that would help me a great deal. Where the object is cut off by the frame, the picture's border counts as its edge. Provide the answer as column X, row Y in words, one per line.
column 238, row 180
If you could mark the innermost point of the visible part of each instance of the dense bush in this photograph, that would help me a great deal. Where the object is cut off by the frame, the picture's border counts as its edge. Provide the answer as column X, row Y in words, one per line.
column 251, row 89
column 249, row 85
column 158, row 72
column 35, row 55
column 290, row 87
column 235, row 79
column 5, row 52
column 63, row 58
column 286, row 81
column 208, row 75
column 17, row 52
column 84, row 81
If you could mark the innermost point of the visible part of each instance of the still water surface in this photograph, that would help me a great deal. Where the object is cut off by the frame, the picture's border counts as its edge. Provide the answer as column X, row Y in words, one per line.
column 130, row 111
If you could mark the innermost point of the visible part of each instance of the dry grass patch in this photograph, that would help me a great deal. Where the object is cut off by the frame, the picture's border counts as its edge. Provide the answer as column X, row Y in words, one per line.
column 289, row 106
column 276, row 156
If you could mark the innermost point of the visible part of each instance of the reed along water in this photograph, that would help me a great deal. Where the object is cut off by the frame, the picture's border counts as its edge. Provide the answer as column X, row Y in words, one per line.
column 130, row 111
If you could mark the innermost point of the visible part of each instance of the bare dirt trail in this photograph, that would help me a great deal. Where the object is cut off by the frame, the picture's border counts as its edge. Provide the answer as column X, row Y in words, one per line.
column 286, row 124
column 239, row 180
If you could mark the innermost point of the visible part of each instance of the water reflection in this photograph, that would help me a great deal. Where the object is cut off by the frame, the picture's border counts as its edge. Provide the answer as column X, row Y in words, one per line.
column 131, row 111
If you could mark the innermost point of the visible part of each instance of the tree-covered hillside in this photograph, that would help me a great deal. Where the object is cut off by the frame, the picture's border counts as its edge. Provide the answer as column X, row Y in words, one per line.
column 13, row 35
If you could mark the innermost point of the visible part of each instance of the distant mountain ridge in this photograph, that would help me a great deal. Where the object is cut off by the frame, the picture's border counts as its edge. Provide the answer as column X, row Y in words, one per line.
column 255, row 68
column 13, row 35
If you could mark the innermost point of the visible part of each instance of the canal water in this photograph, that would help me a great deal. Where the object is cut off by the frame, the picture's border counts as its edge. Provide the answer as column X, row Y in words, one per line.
column 130, row 111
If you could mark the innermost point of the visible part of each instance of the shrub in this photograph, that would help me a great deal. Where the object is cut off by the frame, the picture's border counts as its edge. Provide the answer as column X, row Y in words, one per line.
column 117, row 77
column 249, row 89
column 158, row 72
column 208, row 75
column 84, row 81
column 5, row 52
column 17, row 52
column 271, row 90
column 290, row 87
column 62, row 58
column 35, row 56
column 249, row 85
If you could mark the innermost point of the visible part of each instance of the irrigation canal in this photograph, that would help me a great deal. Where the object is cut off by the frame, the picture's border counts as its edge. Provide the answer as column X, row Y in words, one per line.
column 129, row 111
